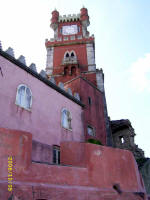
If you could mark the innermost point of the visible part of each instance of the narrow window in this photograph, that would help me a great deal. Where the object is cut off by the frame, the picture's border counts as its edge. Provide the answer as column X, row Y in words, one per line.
column 24, row 97
column 73, row 70
column 56, row 154
column 67, row 55
column 78, row 29
column 122, row 140
column 66, row 119
column 72, row 54
column 66, row 71
column 89, row 100
column 90, row 130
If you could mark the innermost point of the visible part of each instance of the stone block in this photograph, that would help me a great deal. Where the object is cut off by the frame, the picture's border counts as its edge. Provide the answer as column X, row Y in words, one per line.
column 43, row 73
column 33, row 67
column 52, row 80
column 10, row 51
column 22, row 59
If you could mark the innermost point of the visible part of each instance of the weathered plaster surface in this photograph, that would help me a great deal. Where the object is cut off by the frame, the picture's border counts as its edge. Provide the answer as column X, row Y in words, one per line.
column 91, row 177
column 44, row 119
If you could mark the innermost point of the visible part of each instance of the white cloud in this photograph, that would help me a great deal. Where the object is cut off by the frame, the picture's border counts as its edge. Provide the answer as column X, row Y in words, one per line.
column 140, row 73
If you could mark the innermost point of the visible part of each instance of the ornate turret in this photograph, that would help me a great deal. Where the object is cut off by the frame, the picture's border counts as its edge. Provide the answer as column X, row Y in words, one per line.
column 84, row 17
column 54, row 22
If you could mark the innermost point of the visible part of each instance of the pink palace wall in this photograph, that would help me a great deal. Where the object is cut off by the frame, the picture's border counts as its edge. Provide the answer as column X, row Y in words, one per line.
column 44, row 120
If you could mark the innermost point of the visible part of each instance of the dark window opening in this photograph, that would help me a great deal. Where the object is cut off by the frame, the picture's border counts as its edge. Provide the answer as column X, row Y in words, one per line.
column 89, row 100
column 72, row 54
column 56, row 154
column 65, row 70
column 67, row 55
column 73, row 70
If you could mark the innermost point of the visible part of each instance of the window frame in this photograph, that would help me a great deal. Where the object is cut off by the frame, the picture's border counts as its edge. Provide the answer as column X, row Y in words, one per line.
column 57, row 149
column 122, row 140
column 73, row 57
column 67, row 128
column 17, row 96
column 94, row 131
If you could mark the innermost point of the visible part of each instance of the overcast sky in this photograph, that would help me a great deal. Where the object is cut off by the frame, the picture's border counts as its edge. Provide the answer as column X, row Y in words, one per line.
column 122, row 39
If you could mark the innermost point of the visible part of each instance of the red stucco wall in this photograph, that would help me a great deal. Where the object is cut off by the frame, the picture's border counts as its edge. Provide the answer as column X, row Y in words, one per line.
column 59, row 51
column 102, row 167
column 94, row 113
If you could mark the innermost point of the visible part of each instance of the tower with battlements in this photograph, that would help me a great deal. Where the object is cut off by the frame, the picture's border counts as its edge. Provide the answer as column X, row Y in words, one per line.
column 71, row 61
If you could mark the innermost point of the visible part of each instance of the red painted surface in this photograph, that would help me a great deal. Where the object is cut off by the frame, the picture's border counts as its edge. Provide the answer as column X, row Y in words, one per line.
column 84, row 14
column 107, row 166
column 59, row 52
column 87, row 171
column 90, row 77
column 94, row 171
column 94, row 113
column 55, row 17
column 65, row 78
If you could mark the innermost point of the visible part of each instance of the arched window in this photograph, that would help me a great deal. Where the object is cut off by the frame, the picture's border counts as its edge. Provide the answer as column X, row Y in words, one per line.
column 24, row 97
column 66, row 119
column 73, row 54
column 66, row 55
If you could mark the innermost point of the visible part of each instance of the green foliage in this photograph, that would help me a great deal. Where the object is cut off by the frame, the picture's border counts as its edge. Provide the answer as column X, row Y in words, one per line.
column 94, row 141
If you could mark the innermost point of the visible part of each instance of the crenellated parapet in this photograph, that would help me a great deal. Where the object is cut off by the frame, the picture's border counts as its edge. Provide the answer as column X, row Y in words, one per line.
column 69, row 18
column 70, row 24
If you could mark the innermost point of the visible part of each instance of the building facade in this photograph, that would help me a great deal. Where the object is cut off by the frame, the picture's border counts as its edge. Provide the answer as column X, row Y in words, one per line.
column 71, row 60
column 48, row 118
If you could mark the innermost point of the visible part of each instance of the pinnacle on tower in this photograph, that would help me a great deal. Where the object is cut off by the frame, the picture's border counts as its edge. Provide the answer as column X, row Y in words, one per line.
column 0, row 45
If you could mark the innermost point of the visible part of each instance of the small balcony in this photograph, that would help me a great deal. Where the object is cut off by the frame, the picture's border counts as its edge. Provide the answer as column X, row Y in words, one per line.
column 69, row 60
